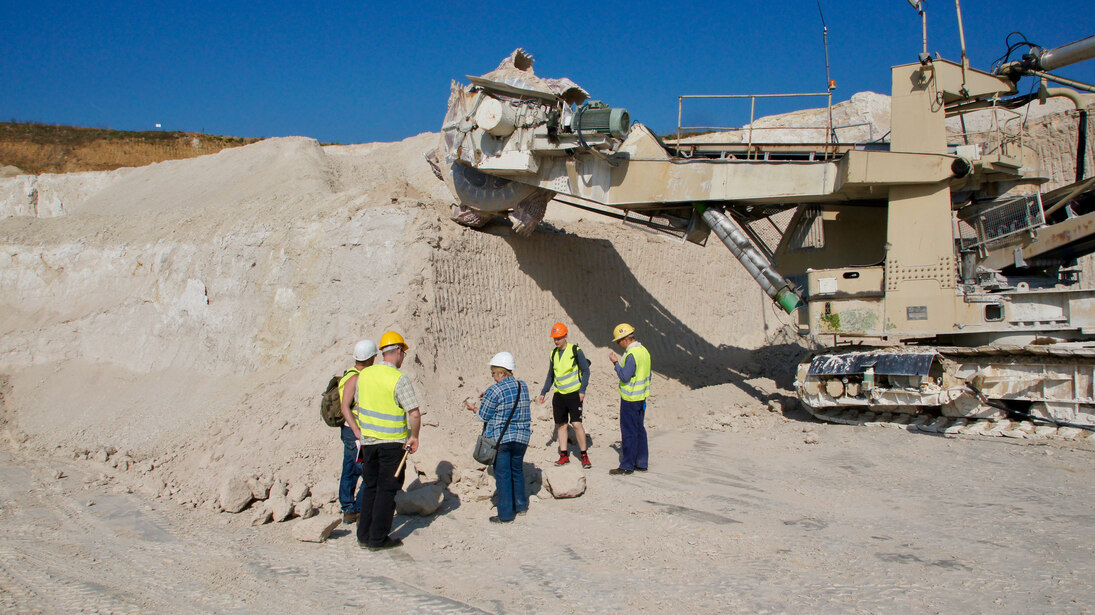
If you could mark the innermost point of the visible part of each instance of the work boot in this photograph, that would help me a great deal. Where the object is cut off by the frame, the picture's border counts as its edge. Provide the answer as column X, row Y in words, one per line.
column 387, row 543
column 564, row 458
column 585, row 461
column 349, row 517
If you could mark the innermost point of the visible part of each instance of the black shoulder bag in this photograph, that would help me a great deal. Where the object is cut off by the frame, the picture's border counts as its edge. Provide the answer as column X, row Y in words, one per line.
column 486, row 449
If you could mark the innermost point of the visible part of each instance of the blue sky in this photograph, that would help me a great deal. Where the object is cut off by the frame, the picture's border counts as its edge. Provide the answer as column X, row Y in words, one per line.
column 354, row 72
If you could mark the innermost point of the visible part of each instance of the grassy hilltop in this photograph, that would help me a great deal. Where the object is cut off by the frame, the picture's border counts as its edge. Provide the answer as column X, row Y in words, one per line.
column 45, row 148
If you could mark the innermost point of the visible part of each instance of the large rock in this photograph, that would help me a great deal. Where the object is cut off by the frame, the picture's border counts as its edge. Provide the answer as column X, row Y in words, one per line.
column 316, row 529
column 474, row 478
column 259, row 491
column 278, row 488
column 235, row 494
column 280, row 506
column 304, row 509
column 262, row 515
column 324, row 492
column 19, row 196
column 564, row 481
column 423, row 501
column 298, row 492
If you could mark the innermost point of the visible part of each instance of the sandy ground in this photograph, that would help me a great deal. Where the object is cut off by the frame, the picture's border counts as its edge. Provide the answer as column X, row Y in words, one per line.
column 867, row 520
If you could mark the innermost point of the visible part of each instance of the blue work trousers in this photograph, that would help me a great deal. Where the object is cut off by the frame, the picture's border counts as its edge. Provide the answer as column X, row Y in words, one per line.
column 351, row 471
column 633, row 449
column 509, row 479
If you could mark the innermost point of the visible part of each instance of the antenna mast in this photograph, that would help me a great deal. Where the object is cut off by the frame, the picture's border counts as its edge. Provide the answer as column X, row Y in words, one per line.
column 830, row 84
column 919, row 6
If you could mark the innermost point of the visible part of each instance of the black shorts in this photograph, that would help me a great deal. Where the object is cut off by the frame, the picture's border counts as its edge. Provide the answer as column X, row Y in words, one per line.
column 567, row 408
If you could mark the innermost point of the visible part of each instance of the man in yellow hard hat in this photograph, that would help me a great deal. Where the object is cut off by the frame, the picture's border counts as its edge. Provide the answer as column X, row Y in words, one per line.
column 387, row 421
column 568, row 373
column 633, row 370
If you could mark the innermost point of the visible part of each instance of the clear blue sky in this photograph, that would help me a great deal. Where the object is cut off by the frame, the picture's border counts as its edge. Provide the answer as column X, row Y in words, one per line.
column 353, row 72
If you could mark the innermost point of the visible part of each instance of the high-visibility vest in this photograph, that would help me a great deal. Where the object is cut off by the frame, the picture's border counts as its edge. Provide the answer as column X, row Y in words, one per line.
column 638, row 388
column 565, row 367
column 342, row 382
column 377, row 413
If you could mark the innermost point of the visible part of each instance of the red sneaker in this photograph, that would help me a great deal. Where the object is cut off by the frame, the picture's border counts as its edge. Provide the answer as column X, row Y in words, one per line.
column 564, row 458
column 585, row 461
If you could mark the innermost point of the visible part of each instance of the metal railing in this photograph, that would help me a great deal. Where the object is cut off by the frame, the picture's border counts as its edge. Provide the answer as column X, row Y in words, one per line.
column 752, row 114
column 1004, row 218
column 870, row 129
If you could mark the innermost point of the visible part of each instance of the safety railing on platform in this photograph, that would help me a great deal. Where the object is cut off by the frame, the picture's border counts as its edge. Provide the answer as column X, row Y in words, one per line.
column 749, row 128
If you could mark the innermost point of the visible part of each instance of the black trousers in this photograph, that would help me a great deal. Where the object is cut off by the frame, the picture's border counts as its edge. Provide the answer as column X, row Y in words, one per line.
column 376, row 498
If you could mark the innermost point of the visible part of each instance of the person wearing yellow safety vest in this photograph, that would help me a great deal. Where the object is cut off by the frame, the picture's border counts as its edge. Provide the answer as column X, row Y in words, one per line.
column 387, row 421
column 633, row 370
column 568, row 374
column 364, row 354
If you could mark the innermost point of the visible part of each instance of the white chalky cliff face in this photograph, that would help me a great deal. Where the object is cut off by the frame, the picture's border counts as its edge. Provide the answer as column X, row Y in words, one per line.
column 189, row 312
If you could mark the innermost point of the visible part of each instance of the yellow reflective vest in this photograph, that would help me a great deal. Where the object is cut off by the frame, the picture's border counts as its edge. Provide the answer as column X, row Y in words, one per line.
column 377, row 413
column 342, row 382
column 565, row 367
column 638, row 388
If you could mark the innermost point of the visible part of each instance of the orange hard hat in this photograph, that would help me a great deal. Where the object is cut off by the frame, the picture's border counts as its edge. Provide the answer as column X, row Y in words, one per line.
column 558, row 330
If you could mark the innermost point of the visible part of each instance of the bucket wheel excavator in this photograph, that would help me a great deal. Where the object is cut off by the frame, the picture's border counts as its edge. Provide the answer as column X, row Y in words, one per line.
column 944, row 281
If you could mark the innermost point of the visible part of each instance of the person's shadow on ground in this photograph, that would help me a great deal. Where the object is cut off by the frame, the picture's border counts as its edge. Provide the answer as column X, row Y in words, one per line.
column 405, row 525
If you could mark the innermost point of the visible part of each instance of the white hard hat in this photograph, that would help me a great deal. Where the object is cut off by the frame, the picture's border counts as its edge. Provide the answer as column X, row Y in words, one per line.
column 364, row 350
column 503, row 359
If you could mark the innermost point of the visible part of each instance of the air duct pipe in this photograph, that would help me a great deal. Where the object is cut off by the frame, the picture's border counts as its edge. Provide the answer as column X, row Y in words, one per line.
column 1081, row 140
column 1065, row 55
column 775, row 285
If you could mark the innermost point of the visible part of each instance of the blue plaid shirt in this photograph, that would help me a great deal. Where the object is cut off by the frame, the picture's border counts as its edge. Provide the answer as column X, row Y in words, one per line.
column 495, row 408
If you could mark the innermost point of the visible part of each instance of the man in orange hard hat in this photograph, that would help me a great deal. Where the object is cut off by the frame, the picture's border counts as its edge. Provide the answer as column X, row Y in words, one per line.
column 633, row 370
column 568, row 373
column 387, row 421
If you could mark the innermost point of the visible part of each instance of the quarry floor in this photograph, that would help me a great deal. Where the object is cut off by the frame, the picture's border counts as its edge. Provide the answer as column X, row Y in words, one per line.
column 866, row 520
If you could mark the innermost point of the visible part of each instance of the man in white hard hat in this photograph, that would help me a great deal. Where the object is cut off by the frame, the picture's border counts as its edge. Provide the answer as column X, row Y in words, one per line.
column 387, row 421
column 364, row 355
column 633, row 370
column 505, row 410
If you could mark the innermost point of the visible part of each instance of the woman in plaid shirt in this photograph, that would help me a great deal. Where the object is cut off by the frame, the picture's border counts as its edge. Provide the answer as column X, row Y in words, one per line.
column 494, row 409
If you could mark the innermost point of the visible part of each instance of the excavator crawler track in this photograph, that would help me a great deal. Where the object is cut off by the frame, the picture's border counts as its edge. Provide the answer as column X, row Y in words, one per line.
column 951, row 426
column 1033, row 391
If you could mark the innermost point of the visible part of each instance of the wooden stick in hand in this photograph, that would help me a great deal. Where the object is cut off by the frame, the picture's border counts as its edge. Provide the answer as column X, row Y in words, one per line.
column 399, row 468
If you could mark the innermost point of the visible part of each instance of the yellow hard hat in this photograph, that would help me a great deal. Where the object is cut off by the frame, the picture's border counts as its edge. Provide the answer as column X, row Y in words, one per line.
column 621, row 331
column 391, row 338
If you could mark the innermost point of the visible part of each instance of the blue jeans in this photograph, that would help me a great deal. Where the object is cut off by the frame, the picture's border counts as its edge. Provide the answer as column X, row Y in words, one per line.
column 351, row 471
column 633, row 448
column 509, row 479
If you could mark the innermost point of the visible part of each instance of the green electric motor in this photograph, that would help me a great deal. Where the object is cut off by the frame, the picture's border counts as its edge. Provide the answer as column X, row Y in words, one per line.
column 600, row 118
